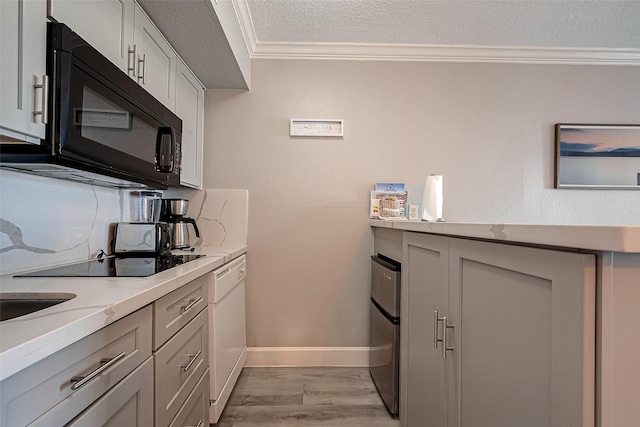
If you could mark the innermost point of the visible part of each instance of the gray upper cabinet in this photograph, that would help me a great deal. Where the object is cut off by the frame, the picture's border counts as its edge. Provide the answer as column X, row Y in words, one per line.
column 497, row 335
column 23, row 85
column 106, row 25
column 156, row 60
column 125, row 35
column 190, row 108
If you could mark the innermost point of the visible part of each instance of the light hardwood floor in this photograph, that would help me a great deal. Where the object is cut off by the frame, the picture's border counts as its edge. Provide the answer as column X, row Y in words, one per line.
column 271, row 397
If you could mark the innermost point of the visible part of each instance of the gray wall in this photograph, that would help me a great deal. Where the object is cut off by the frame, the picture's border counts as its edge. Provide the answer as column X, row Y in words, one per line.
column 488, row 128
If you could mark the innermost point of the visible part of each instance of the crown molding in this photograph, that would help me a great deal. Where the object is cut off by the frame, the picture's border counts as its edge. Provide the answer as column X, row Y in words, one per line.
column 428, row 53
column 447, row 53
column 243, row 15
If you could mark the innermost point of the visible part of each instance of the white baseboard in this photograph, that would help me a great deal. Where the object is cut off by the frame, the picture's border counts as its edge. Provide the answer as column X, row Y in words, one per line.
column 307, row 356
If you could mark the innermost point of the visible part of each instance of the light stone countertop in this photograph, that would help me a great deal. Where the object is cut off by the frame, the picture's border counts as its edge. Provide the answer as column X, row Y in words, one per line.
column 608, row 238
column 100, row 301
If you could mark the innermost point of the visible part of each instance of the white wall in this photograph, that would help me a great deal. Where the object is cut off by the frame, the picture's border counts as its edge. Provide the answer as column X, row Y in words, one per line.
column 488, row 128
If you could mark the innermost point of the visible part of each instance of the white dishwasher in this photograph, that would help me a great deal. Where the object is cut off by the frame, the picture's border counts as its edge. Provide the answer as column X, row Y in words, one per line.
column 228, row 334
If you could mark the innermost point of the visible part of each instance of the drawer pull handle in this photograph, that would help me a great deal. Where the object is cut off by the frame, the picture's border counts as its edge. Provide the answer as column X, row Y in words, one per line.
column 192, row 302
column 104, row 365
column 193, row 357
column 200, row 424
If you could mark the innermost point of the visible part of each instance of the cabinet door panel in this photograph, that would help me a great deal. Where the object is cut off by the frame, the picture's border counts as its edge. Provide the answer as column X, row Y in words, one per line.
column 44, row 390
column 107, row 25
column 176, row 309
column 524, row 334
column 128, row 404
column 23, row 40
column 179, row 364
column 425, row 275
column 190, row 108
column 156, row 66
column 195, row 411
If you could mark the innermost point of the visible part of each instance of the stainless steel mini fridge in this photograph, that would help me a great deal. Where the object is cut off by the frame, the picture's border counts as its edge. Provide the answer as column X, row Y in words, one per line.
column 384, row 332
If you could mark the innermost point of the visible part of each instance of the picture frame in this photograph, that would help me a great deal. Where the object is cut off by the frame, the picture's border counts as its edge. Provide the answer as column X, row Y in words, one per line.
column 590, row 156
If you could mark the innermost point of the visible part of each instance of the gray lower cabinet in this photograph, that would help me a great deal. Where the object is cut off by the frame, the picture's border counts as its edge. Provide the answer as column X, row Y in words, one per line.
column 496, row 335
column 128, row 404
column 425, row 278
column 174, row 310
column 55, row 390
column 180, row 365
column 195, row 411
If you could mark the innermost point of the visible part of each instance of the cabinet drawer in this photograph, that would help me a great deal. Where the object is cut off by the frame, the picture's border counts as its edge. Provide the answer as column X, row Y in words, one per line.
column 174, row 310
column 195, row 411
column 179, row 364
column 46, row 387
column 130, row 403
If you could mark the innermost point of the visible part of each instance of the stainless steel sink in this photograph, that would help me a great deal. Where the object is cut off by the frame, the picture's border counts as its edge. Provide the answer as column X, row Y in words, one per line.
column 18, row 304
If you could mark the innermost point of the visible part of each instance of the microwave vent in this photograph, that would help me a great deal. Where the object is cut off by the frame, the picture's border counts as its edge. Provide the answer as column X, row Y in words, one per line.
column 67, row 173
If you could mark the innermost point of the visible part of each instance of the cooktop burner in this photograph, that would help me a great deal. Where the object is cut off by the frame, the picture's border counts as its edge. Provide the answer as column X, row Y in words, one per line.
column 115, row 266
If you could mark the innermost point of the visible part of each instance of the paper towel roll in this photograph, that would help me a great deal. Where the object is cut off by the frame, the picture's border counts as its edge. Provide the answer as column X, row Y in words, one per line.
column 432, row 198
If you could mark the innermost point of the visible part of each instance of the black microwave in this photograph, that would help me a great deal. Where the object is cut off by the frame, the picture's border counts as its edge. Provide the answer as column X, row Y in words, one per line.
column 103, row 127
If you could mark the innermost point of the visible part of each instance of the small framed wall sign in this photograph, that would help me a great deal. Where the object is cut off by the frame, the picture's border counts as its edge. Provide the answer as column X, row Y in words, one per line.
column 316, row 127
column 597, row 156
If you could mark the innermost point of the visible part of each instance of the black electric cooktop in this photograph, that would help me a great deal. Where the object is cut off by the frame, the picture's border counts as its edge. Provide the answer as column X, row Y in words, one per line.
column 115, row 266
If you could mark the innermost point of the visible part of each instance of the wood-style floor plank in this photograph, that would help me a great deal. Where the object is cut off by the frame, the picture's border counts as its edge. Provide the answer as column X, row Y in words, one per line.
column 306, row 397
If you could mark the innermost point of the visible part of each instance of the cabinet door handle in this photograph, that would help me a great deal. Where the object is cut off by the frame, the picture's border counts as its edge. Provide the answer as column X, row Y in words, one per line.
column 192, row 303
column 200, row 424
column 43, row 112
column 104, row 365
column 436, row 320
column 131, row 60
column 194, row 357
column 142, row 74
column 445, row 346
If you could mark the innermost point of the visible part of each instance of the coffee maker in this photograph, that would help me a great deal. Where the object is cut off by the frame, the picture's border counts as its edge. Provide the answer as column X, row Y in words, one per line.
column 173, row 211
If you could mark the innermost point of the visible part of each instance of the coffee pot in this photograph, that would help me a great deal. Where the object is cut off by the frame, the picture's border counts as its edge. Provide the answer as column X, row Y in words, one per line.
column 173, row 211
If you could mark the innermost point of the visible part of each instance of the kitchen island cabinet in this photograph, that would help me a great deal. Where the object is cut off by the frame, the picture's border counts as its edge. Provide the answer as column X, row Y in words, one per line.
column 513, row 334
column 509, row 286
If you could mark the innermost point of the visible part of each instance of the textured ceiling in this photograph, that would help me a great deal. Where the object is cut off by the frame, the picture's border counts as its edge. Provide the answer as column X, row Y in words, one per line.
column 564, row 23
column 533, row 31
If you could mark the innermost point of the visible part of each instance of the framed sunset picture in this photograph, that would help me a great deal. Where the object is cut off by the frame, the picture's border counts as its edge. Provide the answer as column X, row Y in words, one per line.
column 597, row 156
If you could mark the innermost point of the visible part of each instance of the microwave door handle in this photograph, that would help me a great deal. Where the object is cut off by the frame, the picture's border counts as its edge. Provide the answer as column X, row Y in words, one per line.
column 164, row 160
